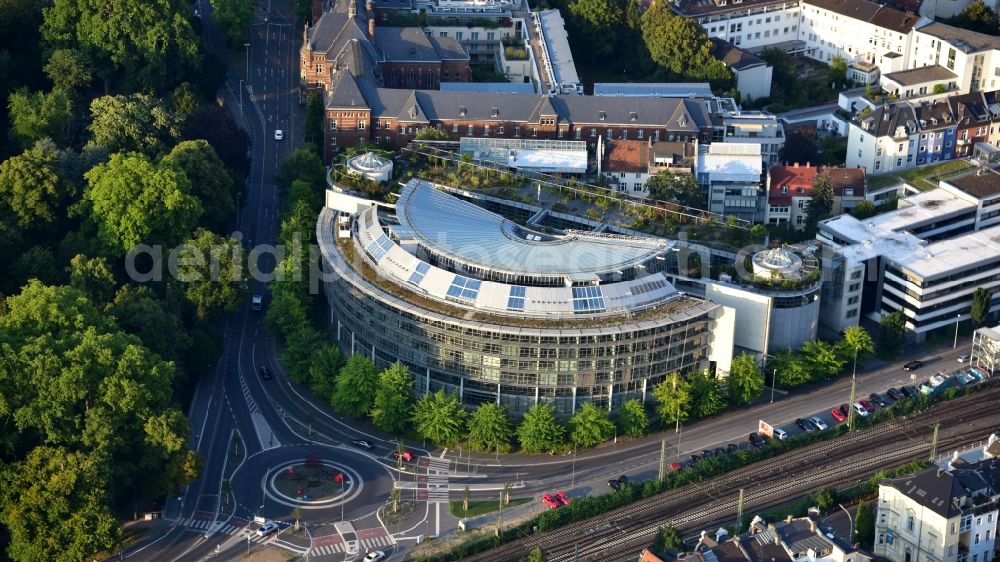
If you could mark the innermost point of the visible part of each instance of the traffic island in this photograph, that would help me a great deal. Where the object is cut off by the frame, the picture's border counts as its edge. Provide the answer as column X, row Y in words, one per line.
column 311, row 480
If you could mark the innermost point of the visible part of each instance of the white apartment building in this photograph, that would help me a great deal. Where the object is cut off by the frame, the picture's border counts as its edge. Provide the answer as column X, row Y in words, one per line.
column 857, row 31
column 755, row 127
column 973, row 57
column 941, row 514
column 748, row 24
column 901, row 135
column 986, row 348
column 732, row 176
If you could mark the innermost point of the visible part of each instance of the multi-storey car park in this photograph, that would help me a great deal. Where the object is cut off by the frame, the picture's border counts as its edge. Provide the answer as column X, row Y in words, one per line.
column 476, row 304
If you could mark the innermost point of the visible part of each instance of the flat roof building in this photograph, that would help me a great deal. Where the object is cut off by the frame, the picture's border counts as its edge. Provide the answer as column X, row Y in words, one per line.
column 494, row 311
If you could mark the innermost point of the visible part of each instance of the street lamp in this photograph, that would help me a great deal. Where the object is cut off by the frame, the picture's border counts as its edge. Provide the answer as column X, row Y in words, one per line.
column 246, row 47
column 850, row 519
column 957, row 318
column 774, row 377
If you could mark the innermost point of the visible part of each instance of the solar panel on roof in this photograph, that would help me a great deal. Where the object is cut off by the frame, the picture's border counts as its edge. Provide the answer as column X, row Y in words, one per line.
column 588, row 299
column 418, row 274
column 464, row 288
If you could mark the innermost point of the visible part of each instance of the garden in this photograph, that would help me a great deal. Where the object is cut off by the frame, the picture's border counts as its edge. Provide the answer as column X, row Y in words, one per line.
column 311, row 480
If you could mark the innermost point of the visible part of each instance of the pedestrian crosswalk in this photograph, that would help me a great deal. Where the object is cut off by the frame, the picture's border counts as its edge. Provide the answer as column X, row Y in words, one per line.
column 437, row 479
column 366, row 544
column 213, row 526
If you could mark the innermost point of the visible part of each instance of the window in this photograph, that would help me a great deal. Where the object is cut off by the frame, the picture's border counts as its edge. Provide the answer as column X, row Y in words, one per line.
column 579, row 133
column 333, row 125
column 454, row 127
column 319, row 68
column 500, row 129
column 909, row 523
column 475, row 36
column 491, row 36
column 534, row 131
column 458, row 35
column 899, row 162
column 641, row 134
column 977, row 538
column 471, row 128
column 361, row 125
column 881, row 538
column 593, row 133
column 443, row 34
column 878, row 153
column 486, row 130
column 878, row 164
column 517, row 131
column 854, row 287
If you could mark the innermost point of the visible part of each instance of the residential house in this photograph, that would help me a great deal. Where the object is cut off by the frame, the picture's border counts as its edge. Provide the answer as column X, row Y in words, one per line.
column 628, row 164
column 803, row 539
column 940, row 514
column 857, row 31
column 732, row 177
column 755, row 127
column 748, row 24
column 753, row 74
column 901, row 135
column 972, row 121
column 790, row 190
column 920, row 81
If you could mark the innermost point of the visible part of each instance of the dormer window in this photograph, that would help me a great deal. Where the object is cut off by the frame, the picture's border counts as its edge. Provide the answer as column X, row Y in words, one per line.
column 495, row 112
column 784, row 190
column 633, row 116
column 462, row 111
column 602, row 115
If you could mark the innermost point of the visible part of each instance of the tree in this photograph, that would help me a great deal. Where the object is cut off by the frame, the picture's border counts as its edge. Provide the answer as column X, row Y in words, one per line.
column 303, row 164
column 679, row 44
column 864, row 209
column 324, row 363
column 590, row 426
column 977, row 16
column 838, row 70
column 357, row 383
column 440, row 418
column 598, row 23
column 134, row 201
column 133, row 123
column 145, row 44
column 980, row 311
column 892, row 330
column 37, row 263
column 540, row 431
column 210, row 182
column 34, row 189
column 745, row 382
column 792, row 370
column 682, row 188
column 673, row 397
column 138, row 311
column 433, row 133
column 535, row 555
column 864, row 532
column 38, row 115
column 858, row 339
column 54, row 506
column 799, row 149
column 314, row 120
column 183, row 100
column 633, row 420
column 68, row 70
column 667, row 538
column 706, row 395
column 92, row 277
column 215, row 125
column 490, row 428
column 303, row 10
column 758, row 233
column 940, row 89
column 393, row 400
column 822, row 358
column 236, row 16
column 211, row 270
column 821, row 203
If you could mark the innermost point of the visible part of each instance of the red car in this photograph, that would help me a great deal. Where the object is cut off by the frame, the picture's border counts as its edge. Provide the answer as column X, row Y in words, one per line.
column 551, row 501
column 839, row 413
column 406, row 455
column 561, row 496
column 868, row 406
column 675, row 466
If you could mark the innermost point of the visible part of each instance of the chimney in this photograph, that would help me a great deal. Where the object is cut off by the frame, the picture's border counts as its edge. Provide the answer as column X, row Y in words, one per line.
column 371, row 28
column 812, row 525
column 807, row 164
column 796, row 164
column 352, row 8
column 789, row 518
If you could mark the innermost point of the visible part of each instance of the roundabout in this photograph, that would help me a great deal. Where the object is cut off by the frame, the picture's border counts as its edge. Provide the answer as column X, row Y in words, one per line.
column 305, row 476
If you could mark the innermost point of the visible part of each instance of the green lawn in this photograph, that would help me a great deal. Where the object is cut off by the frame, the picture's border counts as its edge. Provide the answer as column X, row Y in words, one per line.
column 885, row 180
column 926, row 177
column 481, row 507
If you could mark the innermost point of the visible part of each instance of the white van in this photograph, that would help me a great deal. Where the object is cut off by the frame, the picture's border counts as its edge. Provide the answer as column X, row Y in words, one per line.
column 257, row 302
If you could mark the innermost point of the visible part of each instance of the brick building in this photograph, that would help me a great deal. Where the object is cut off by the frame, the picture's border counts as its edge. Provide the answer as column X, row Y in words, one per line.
column 345, row 41
column 357, row 108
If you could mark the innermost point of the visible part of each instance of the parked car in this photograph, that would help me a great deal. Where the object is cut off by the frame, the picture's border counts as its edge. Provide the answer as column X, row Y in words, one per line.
column 362, row 444
column 267, row 528
column 895, row 394
column 551, row 501
column 675, row 466
column 732, row 448
column 614, row 485
column 908, row 391
column 867, row 406
column 780, row 434
column 756, row 440
column 913, row 365
column 966, row 378
column 375, row 556
column 694, row 459
column 719, row 451
column 804, row 425
column 936, row 380
column 820, row 424
column 979, row 374
column 406, row 455
column 265, row 373
column 964, row 358
column 838, row 413
column 860, row 410
column 707, row 453
column 562, row 497
column 879, row 399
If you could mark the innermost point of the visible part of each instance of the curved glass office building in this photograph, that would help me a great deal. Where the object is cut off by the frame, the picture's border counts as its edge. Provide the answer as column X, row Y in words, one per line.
column 492, row 310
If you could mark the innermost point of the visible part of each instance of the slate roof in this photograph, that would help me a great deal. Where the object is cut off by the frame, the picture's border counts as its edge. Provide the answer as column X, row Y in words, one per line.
column 733, row 56
column 885, row 119
column 939, row 110
column 933, row 488
column 345, row 93
column 869, row 12
column 969, row 109
column 448, row 48
column 679, row 115
column 798, row 537
column 405, row 44
column 762, row 547
column 963, row 39
column 921, row 75
column 695, row 8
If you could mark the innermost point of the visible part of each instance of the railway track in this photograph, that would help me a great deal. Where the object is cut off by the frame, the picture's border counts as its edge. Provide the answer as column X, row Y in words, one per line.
column 843, row 461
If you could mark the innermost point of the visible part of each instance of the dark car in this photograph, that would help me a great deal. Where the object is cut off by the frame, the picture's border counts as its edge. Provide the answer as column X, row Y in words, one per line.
column 695, row 459
column 808, row 425
column 362, row 444
column 913, row 365
column 756, row 440
column 732, row 448
column 719, row 451
column 707, row 453
column 265, row 373
column 879, row 399
column 908, row 391
column 895, row 394
column 614, row 485
column 803, row 424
